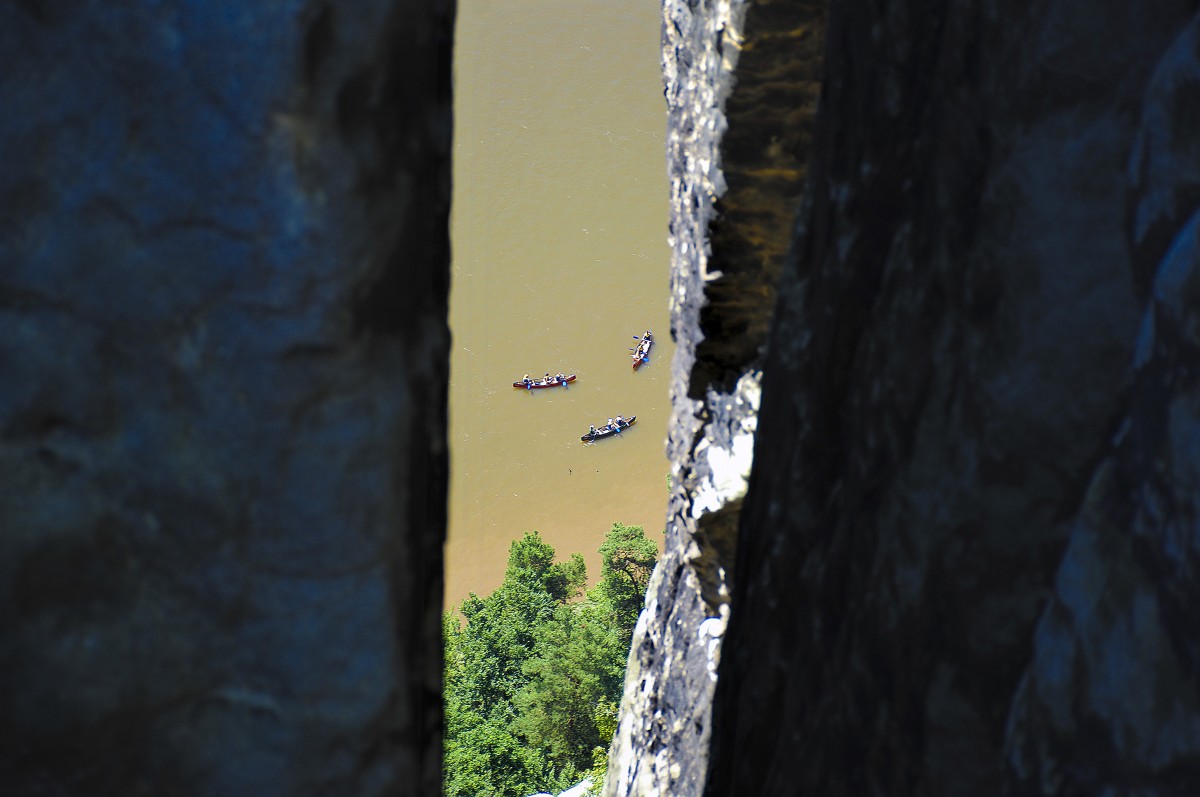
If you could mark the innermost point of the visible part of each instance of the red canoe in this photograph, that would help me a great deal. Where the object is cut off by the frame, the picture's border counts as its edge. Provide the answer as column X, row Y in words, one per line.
column 642, row 353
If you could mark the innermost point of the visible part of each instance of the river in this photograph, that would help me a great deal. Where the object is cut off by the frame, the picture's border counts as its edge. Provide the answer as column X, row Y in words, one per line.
column 558, row 228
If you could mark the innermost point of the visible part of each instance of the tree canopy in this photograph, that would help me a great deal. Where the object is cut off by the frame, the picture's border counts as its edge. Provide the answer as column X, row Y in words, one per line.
column 534, row 676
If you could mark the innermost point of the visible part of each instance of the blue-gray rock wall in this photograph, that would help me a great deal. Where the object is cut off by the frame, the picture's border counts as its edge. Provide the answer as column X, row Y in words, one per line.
column 223, row 358
column 967, row 558
column 1109, row 700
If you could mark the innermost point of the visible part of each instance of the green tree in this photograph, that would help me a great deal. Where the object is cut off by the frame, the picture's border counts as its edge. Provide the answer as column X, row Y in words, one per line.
column 578, row 665
column 567, row 580
column 534, row 676
column 579, row 662
column 627, row 560
column 531, row 562
column 484, row 670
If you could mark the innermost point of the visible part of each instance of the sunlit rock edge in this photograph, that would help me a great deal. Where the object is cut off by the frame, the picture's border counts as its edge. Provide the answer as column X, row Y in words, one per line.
column 723, row 289
column 662, row 730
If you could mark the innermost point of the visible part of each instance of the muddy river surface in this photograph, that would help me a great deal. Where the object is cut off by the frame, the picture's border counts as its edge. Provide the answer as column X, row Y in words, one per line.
column 559, row 228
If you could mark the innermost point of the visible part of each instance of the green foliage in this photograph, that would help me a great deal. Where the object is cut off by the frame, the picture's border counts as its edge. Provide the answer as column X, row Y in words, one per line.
column 533, row 679
column 626, row 562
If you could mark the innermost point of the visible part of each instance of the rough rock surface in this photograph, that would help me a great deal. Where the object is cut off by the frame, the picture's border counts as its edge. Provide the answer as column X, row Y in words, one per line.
column 732, row 202
column 223, row 352
column 967, row 561
column 1109, row 702
column 662, row 735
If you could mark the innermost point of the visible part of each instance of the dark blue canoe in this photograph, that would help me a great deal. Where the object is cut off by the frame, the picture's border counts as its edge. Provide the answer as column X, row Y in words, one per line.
column 608, row 431
column 538, row 384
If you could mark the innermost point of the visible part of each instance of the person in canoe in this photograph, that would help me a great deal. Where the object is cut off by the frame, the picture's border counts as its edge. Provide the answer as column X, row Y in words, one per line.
column 620, row 422
column 561, row 377
column 526, row 380
column 644, row 347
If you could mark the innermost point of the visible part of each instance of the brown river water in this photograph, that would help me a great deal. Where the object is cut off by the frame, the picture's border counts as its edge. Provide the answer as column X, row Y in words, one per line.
column 558, row 227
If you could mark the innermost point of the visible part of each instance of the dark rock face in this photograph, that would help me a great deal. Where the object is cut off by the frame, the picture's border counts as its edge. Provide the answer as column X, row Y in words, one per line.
column 762, row 152
column 967, row 559
column 1109, row 699
column 223, row 353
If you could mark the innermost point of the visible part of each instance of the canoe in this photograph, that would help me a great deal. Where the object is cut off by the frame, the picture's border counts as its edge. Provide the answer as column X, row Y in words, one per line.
column 608, row 431
column 538, row 384
column 642, row 353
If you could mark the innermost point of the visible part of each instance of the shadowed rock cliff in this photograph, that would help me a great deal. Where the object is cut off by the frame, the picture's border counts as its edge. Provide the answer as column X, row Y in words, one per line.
column 223, row 352
column 967, row 559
